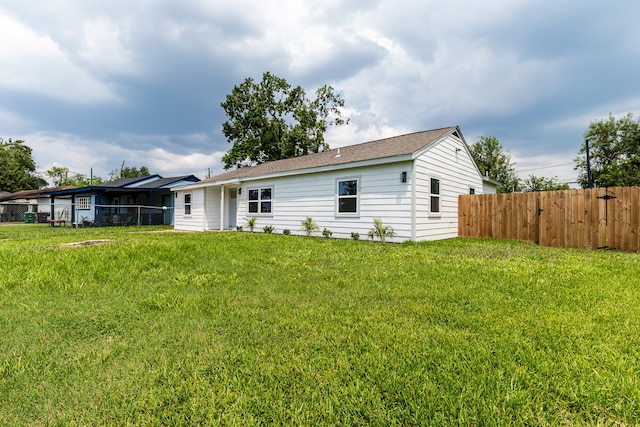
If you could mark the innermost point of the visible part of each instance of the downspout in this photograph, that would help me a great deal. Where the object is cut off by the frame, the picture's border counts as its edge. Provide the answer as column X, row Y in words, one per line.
column 222, row 207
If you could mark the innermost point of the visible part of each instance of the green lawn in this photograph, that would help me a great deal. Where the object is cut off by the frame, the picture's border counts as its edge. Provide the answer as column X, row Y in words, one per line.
column 163, row 328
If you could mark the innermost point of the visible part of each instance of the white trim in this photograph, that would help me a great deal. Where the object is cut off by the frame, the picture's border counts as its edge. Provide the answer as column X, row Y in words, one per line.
column 358, row 180
column 83, row 202
column 221, row 207
column 259, row 201
column 185, row 204
column 413, row 201
column 438, row 195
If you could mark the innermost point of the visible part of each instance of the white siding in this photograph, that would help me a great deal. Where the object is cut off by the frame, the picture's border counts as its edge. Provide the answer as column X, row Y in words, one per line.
column 381, row 194
column 195, row 221
column 451, row 163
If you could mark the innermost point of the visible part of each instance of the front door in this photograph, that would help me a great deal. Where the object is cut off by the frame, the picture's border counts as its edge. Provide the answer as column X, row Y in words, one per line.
column 233, row 207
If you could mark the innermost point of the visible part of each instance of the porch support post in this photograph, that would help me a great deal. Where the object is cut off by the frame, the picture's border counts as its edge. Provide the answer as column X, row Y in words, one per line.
column 52, row 210
column 222, row 207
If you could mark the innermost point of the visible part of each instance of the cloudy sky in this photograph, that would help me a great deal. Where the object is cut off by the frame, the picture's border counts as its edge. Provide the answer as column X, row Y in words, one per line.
column 91, row 84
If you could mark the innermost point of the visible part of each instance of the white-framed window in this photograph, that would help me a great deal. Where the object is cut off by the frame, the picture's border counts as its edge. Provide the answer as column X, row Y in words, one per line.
column 83, row 202
column 260, row 200
column 187, row 203
column 348, row 196
column 434, row 190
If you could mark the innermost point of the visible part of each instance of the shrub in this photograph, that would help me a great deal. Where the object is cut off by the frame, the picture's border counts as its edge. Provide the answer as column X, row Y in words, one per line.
column 327, row 233
column 251, row 223
column 380, row 230
column 268, row 229
column 309, row 226
column 286, row 231
column 238, row 228
column 355, row 236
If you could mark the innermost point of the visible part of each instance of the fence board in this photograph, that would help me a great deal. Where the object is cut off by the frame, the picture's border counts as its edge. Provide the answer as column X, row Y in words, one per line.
column 567, row 218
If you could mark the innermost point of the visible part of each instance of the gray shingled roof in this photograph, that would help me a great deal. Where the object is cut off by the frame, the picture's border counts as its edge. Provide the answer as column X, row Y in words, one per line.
column 383, row 148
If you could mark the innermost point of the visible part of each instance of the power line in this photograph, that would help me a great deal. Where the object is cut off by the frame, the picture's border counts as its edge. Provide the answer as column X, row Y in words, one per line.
column 545, row 167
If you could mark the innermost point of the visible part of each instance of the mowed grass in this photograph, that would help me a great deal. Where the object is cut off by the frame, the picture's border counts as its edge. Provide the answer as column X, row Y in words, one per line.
column 164, row 328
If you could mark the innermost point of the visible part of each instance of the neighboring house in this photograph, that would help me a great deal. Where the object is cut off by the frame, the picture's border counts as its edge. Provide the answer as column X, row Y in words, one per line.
column 411, row 182
column 143, row 200
column 14, row 205
column 489, row 185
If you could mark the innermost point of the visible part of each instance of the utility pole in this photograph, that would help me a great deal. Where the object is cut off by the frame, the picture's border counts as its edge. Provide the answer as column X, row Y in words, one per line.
column 589, row 178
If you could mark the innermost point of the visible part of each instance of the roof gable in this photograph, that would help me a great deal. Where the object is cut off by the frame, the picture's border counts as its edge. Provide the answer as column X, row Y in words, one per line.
column 380, row 149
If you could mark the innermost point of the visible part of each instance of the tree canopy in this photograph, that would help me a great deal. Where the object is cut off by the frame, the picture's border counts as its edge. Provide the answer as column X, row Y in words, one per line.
column 271, row 120
column 61, row 176
column 17, row 167
column 494, row 162
column 614, row 147
column 128, row 172
column 540, row 183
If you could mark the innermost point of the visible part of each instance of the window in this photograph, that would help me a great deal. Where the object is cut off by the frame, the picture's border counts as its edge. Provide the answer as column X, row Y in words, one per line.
column 348, row 196
column 435, row 196
column 187, row 204
column 260, row 200
column 83, row 202
column 472, row 191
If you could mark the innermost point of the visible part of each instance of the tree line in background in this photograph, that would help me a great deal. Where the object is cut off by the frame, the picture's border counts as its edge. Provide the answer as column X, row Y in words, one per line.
column 18, row 170
column 614, row 159
column 495, row 162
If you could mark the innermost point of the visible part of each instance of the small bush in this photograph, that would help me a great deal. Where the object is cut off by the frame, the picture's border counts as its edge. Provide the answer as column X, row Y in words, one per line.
column 309, row 226
column 327, row 233
column 381, row 231
column 251, row 223
column 286, row 231
column 355, row 236
column 268, row 229
column 238, row 228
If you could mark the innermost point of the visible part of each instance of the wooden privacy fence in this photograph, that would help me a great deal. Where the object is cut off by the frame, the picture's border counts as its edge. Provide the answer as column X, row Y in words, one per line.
column 590, row 218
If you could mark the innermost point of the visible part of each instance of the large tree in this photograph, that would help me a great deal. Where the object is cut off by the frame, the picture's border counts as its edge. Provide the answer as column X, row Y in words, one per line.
column 494, row 162
column 614, row 148
column 17, row 167
column 272, row 120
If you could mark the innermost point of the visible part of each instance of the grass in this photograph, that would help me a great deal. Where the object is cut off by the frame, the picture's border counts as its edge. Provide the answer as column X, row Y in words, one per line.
column 153, row 328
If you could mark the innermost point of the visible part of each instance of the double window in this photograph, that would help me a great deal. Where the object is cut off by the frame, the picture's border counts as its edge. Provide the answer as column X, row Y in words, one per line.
column 434, row 207
column 348, row 196
column 187, row 204
column 260, row 200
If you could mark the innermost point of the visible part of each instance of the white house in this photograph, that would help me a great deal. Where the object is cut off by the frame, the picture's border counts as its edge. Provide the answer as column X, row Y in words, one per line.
column 411, row 182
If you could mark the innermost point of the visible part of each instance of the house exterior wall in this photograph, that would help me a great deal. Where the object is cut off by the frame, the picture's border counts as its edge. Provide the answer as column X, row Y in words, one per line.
column 196, row 220
column 381, row 194
column 450, row 162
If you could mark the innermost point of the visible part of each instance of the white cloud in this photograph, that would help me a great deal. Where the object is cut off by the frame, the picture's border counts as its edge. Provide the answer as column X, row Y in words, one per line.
column 37, row 65
column 104, row 46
